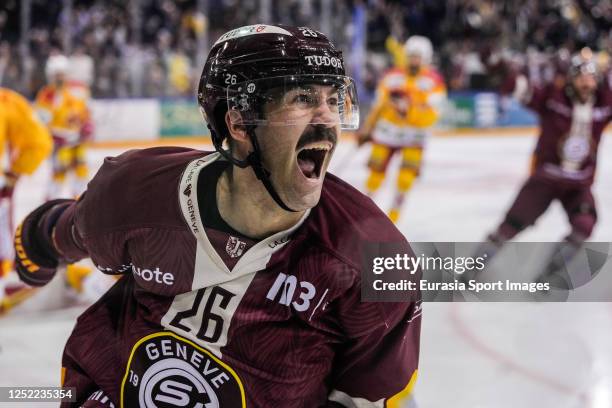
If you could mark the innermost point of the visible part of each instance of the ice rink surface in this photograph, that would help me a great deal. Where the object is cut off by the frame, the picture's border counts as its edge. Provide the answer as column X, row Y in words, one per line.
column 473, row 355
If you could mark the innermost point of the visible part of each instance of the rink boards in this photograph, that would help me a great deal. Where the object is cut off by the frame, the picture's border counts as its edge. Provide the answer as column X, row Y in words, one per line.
column 473, row 354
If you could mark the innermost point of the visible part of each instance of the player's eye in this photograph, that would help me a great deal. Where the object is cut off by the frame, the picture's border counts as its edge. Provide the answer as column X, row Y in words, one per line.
column 333, row 101
column 303, row 98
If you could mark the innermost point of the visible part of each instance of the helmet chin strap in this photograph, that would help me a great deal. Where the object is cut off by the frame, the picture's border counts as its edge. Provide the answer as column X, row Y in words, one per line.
column 253, row 160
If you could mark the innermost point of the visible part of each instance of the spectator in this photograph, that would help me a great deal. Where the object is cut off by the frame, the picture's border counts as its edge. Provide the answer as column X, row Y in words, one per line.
column 467, row 34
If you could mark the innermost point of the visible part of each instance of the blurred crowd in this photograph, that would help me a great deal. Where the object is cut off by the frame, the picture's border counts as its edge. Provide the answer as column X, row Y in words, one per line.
column 105, row 47
column 472, row 36
column 144, row 48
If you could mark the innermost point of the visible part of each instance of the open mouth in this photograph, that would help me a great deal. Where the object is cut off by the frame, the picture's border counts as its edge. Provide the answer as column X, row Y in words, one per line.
column 311, row 158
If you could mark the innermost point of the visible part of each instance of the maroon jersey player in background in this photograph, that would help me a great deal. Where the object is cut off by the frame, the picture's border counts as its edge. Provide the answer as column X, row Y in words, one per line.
column 572, row 118
column 242, row 268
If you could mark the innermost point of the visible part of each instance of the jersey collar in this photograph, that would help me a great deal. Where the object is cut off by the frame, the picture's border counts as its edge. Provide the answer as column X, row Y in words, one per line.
column 257, row 255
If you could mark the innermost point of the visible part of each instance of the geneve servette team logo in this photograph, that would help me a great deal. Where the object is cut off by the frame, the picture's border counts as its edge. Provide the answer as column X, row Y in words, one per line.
column 166, row 370
column 234, row 247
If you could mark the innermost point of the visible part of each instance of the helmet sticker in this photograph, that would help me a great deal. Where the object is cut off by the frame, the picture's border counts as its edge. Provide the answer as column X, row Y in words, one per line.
column 251, row 87
column 243, row 102
column 251, row 30
column 307, row 32
column 324, row 60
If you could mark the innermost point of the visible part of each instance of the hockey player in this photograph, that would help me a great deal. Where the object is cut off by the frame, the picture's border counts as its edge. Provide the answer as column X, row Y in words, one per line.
column 26, row 142
column 63, row 106
column 572, row 119
column 242, row 268
column 407, row 105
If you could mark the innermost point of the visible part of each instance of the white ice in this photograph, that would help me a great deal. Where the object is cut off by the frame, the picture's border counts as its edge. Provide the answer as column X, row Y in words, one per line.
column 473, row 355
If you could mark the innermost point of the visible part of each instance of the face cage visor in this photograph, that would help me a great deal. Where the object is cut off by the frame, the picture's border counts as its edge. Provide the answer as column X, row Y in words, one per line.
column 291, row 100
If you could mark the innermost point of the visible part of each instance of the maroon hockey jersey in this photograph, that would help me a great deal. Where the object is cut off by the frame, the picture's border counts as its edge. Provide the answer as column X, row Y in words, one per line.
column 284, row 327
column 570, row 132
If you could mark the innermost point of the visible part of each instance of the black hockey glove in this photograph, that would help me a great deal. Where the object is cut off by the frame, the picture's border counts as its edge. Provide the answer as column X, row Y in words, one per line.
column 36, row 259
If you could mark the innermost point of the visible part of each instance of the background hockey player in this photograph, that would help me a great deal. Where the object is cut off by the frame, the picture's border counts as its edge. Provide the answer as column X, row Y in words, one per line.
column 27, row 143
column 407, row 105
column 63, row 106
column 242, row 268
column 572, row 119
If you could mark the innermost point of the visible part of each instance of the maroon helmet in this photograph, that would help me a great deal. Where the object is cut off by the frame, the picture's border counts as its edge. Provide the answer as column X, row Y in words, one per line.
column 245, row 63
column 581, row 64
column 252, row 65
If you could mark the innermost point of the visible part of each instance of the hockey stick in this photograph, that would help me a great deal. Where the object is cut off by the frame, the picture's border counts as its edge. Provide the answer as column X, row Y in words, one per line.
column 6, row 228
column 16, row 298
column 12, row 296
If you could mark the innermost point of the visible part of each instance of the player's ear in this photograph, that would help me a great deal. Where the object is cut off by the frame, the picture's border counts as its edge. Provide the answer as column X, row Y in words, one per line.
column 237, row 131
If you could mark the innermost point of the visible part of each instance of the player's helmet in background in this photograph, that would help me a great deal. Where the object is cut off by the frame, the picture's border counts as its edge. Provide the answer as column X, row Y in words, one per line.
column 582, row 64
column 56, row 64
column 583, row 76
column 245, row 64
column 561, row 61
column 421, row 46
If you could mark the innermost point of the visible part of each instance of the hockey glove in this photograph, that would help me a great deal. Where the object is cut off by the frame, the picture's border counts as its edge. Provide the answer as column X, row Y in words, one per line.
column 36, row 258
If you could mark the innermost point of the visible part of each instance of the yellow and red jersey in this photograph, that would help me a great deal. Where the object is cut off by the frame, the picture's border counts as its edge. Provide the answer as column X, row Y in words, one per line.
column 21, row 130
column 405, row 106
column 65, row 110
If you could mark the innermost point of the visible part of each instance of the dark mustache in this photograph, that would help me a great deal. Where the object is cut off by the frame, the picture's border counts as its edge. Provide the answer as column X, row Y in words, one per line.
column 318, row 133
